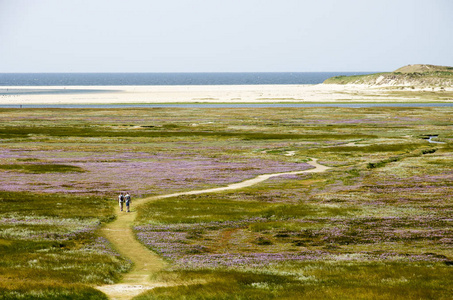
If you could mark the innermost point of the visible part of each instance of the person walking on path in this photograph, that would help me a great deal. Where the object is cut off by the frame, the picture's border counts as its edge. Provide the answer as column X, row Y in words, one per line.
column 121, row 201
column 128, row 201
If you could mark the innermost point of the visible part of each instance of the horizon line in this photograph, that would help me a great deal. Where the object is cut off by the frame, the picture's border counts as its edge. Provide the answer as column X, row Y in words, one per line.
column 191, row 72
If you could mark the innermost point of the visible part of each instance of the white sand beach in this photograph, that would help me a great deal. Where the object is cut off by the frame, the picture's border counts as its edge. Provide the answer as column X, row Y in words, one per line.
column 59, row 95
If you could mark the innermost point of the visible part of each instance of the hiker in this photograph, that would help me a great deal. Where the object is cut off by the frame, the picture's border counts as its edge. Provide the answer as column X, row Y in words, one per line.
column 121, row 201
column 128, row 201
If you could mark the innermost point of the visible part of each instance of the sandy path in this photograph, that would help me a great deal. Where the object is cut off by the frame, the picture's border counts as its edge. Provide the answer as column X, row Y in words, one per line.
column 120, row 234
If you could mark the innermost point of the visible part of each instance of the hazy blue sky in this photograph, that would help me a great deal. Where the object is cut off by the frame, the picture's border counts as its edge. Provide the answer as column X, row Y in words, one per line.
column 223, row 35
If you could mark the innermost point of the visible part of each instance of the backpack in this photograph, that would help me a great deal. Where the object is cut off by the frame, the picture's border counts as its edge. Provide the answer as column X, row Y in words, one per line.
column 121, row 198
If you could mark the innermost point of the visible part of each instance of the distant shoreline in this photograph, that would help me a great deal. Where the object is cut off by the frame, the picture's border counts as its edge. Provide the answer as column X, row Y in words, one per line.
column 322, row 93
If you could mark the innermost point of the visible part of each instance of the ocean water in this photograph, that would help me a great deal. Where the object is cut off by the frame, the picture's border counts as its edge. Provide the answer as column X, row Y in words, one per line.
column 112, row 79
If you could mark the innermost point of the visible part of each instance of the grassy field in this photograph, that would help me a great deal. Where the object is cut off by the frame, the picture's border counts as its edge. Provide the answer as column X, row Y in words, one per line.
column 376, row 225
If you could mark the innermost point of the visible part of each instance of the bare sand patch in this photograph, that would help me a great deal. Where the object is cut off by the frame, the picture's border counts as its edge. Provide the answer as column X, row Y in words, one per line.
column 59, row 95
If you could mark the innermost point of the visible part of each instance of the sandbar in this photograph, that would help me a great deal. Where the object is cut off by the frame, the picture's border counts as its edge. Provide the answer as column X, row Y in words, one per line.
column 323, row 93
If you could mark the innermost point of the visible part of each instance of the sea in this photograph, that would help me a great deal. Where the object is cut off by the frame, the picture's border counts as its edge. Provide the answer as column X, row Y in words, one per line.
column 115, row 79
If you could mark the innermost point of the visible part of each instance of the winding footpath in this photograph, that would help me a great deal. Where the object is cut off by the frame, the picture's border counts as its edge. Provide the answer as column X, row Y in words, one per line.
column 146, row 262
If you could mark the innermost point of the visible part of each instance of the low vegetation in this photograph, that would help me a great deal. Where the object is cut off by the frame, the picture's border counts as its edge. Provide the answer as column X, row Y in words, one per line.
column 376, row 225
column 412, row 76
column 50, row 247
column 41, row 168
column 307, row 280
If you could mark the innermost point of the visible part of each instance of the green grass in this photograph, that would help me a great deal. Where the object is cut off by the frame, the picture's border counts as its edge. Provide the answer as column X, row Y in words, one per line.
column 50, row 248
column 215, row 208
column 395, row 148
column 10, row 132
column 23, row 204
column 41, row 168
column 193, row 209
column 49, row 290
column 312, row 281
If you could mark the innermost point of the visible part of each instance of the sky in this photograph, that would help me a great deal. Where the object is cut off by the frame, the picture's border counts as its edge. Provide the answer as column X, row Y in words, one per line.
column 223, row 35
